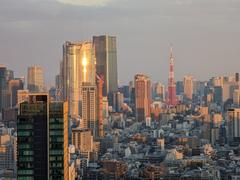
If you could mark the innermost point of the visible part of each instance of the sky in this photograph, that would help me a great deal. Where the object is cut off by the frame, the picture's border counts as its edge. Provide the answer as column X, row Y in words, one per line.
column 205, row 35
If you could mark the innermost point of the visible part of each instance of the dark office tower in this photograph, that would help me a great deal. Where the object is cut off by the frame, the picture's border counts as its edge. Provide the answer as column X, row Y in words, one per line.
column 179, row 87
column 237, row 77
column 5, row 76
column 218, row 92
column 58, row 141
column 3, row 87
column 42, row 136
column 106, row 59
column 13, row 86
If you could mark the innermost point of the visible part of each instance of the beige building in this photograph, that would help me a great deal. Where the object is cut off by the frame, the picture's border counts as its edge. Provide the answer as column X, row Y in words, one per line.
column 188, row 87
column 82, row 139
column 233, row 123
column 218, row 81
column 89, row 108
column 142, row 97
column 217, row 120
column 35, row 79
column 22, row 95
column 7, row 160
column 13, row 86
column 236, row 97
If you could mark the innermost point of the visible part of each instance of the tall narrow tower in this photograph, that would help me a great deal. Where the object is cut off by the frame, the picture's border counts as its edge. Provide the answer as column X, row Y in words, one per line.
column 172, row 101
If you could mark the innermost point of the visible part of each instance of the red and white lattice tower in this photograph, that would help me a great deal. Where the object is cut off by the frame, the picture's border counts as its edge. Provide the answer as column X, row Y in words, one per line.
column 172, row 100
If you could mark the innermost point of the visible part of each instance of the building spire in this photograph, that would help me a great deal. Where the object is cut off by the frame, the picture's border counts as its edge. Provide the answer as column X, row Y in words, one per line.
column 171, row 50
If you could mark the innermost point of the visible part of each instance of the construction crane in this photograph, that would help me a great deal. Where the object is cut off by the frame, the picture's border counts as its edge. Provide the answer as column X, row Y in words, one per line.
column 100, row 82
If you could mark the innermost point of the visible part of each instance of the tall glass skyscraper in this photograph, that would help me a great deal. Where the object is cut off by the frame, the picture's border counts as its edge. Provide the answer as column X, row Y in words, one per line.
column 42, row 136
column 78, row 67
column 106, row 58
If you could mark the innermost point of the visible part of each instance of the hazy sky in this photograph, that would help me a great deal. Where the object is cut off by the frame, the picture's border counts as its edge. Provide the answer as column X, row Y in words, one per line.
column 205, row 34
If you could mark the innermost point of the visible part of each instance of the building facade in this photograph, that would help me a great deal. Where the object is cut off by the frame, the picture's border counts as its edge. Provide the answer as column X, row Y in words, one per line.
column 142, row 97
column 35, row 79
column 42, row 137
column 106, row 60
column 78, row 67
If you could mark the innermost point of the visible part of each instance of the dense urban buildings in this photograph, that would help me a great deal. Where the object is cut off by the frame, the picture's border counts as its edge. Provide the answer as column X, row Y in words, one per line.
column 87, row 127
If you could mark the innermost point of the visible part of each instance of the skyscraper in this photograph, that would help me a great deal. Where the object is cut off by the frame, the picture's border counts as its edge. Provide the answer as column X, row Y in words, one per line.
column 35, row 81
column 13, row 86
column 172, row 101
column 5, row 76
column 142, row 97
column 89, row 108
column 106, row 58
column 233, row 124
column 78, row 67
column 236, row 97
column 188, row 87
column 3, row 87
column 42, row 137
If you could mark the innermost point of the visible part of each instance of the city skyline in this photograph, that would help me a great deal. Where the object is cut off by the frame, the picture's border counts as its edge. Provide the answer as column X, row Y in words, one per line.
column 196, row 29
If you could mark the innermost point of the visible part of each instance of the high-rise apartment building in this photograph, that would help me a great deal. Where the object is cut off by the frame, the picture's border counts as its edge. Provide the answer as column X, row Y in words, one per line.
column 106, row 58
column 35, row 79
column 142, row 97
column 89, row 108
column 78, row 67
column 42, row 137
column 233, row 124
column 188, row 87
